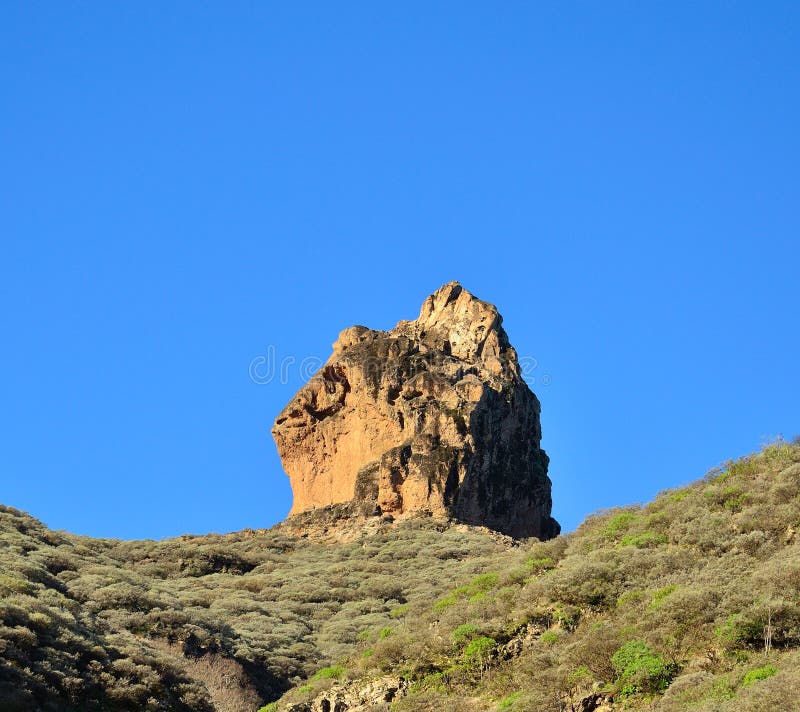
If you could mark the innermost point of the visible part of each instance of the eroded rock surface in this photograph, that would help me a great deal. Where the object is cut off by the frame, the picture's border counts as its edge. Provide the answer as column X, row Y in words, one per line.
column 431, row 416
column 356, row 696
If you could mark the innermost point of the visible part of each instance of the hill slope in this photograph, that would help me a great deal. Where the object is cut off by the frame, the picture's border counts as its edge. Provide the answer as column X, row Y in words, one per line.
column 666, row 607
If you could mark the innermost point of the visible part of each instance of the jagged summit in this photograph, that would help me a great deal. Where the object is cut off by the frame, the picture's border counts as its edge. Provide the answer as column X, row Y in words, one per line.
column 456, row 322
column 430, row 416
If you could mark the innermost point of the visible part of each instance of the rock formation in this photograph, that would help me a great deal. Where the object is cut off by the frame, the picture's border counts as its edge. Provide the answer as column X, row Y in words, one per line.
column 356, row 696
column 431, row 416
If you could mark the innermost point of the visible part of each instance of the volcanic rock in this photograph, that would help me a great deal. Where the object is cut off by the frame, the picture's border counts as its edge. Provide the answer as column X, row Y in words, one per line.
column 430, row 417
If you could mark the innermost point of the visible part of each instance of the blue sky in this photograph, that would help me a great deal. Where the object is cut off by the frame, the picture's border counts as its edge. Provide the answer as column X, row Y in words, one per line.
column 186, row 186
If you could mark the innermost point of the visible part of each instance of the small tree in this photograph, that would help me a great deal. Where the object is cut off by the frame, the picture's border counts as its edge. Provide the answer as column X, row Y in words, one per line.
column 479, row 651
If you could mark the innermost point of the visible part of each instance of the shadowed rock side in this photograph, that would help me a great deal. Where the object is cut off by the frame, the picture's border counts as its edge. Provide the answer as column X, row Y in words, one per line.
column 431, row 416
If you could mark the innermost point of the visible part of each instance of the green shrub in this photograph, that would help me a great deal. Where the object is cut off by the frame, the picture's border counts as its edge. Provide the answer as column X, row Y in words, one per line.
column 733, row 498
column 329, row 673
column 508, row 702
column 566, row 616
column 483, row 583
column 738, row 631
column 434, row 681
column 13, row 584
column 479, row 649
column 630, row 597
column 761, row 673
column 464, row 633
column 722, row 690
column 580, row 675
column 475, row 591
column 619, row 523
column 643, row 540
column 443, row 603
column 741, row 469
column 537, row 565
column 549, row 637
column 639, row 669
column 660, row 595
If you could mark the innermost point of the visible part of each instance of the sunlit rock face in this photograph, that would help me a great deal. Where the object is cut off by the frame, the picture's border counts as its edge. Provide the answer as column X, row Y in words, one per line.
column 431, row 416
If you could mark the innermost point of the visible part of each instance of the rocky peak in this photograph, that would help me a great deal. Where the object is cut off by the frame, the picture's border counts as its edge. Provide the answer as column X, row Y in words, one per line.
column 458, row 324
column 431, row 416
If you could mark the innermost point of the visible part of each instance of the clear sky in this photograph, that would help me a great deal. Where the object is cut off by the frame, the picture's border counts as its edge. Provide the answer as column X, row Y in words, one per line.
column 186, row 187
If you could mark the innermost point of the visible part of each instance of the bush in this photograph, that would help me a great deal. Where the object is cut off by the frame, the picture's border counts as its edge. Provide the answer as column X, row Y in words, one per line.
column 329, row 673
column 643, row 540
column 483, row 583
column 660, row 596
column 508, row 702
column 538, row 565
column 761, row 673
column 619, row 523
column 639, row 669
column 464, row 633
column 739, row 631
column 443, row 603
column 479, row 650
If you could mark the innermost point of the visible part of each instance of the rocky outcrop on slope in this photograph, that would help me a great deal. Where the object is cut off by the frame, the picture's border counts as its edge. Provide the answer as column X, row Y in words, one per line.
column 431, row 416
column 357, row 696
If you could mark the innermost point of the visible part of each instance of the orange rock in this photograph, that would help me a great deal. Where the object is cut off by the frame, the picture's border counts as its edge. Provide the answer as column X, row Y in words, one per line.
column 431, row 416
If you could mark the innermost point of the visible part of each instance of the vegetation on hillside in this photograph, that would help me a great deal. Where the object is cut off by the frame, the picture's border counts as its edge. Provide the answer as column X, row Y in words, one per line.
column 691, row 602
column 207, row 622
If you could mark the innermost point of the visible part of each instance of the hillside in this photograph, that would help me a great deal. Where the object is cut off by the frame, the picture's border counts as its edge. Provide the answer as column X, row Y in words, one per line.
column 690, row 602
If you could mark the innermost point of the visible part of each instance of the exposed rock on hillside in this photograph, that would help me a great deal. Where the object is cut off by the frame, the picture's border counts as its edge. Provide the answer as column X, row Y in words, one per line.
column 432, row 415
column 373, row 696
